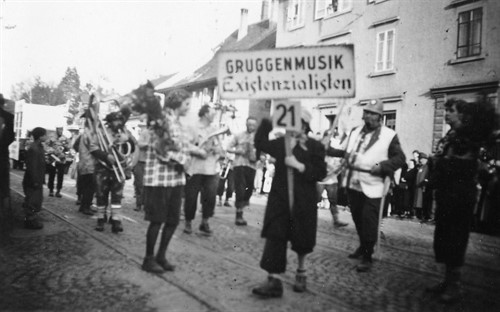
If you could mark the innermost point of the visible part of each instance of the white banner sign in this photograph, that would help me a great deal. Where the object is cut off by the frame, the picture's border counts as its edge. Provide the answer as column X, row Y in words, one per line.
column 304, row 72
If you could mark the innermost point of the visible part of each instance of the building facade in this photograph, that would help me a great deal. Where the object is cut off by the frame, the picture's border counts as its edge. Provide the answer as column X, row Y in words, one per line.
column 411, row 54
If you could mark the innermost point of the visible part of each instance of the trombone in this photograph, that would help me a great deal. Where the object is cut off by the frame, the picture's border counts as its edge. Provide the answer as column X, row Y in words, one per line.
column 105, row 142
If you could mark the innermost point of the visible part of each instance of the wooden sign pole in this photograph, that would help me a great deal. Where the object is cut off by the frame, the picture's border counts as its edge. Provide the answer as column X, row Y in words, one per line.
column 289, row 171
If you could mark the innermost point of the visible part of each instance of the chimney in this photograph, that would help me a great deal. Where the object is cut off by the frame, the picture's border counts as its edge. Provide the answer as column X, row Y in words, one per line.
column 264, row 14
column 243, row 31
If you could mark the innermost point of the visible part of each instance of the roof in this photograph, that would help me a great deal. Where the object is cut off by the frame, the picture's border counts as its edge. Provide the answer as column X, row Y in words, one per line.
column 261, row 35
column 157, row 81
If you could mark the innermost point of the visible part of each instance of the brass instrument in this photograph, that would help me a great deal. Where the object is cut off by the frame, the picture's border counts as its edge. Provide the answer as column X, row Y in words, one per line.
column 106, row 142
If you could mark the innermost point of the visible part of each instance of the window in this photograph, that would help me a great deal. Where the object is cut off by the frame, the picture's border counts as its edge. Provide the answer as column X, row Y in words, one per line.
column 326, row 8
column 385, row 51
column 390, row 119
column 295, row 14
column 469, row 33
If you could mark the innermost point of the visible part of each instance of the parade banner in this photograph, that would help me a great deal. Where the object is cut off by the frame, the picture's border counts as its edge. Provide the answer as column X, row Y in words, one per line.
column 302, row 72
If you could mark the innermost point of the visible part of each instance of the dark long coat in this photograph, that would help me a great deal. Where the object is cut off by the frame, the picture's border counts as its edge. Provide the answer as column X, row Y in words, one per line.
column 454, row 181
column 299, row 227
column 6, row 138
column 34, row 176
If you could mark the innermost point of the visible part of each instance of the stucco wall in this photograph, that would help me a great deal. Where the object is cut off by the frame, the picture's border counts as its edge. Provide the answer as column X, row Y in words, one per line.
column 425, row 42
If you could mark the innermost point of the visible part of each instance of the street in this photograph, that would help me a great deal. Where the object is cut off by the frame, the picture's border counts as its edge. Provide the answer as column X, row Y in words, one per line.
column 69, row 266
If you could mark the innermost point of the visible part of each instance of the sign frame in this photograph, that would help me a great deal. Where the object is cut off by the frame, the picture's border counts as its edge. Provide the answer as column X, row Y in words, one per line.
column 325, row 71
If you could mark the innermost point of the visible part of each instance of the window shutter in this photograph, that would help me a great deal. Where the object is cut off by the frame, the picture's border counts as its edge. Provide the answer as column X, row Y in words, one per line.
column 320, row 9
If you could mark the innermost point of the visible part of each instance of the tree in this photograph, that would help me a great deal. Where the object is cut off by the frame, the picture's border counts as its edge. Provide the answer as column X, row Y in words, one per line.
column 69, row 87
column 70, row 84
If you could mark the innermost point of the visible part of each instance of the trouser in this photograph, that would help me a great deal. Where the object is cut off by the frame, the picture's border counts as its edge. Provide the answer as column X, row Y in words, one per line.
column 139, row 183
column 243, row 185
column 274, row 256
column 86, row 184
column 331, row 191
column 53, row 170
column 365, row 214
column 227, row 184
column 108, row 185
column 207, row 184
column 32, row 201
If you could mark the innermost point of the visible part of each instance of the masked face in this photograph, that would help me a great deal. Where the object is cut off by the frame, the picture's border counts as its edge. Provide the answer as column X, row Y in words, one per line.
column 251, row 125
column 453, row 117
column 185, row 107
column 372, row 120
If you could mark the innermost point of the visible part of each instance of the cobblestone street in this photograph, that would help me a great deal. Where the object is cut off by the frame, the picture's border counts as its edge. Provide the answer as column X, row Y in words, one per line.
column 70, row 266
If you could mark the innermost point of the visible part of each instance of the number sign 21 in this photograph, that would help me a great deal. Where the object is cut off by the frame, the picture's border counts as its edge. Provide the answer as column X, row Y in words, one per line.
column 286, row 114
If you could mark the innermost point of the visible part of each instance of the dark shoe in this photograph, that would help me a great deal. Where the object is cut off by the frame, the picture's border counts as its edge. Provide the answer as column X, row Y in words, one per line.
column 452, row 293
column 100, row 224
column 86, row 211
column 167, row 266
column 33, row 224
column 116, row 226
column 300, row 282
column 150, row 265
column 51, row 193
column 356, row 255
column 272, row 288
column 227, row 204
column 205, row 229
column 339, row 224
column 58, row 194
column 188, row 229
column 239, row 219
column 364, row 266
column 437, row 289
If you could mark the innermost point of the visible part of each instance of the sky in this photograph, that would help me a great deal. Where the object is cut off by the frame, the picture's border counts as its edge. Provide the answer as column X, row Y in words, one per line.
column 117, row 44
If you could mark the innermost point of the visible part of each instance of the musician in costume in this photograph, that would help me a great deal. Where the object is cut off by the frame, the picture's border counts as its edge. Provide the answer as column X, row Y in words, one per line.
column 373, row 152
column 109, row 177
column 164, row 176
column 454, row 179
column 282, row 224
column 57, row 150
column 203, row 170
column 244, row 167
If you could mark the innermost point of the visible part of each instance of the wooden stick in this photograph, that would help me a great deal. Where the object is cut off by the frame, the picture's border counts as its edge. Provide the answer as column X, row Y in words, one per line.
column 289, row 171
column 387, row 184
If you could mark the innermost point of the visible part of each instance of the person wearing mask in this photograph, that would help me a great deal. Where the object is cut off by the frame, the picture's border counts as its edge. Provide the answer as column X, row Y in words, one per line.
column 453, row 178
column 86, row 169
column 164, row 179
column 373, row 153
column 244, row 167
column 282, row 223
column 330, row 182
column 138, row 171
column 57, row 148
column 203, row 170
column 34, row 178
column 7, row 136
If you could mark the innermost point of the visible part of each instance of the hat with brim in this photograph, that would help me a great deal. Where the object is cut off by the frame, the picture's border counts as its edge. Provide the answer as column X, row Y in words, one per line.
column 375, row 106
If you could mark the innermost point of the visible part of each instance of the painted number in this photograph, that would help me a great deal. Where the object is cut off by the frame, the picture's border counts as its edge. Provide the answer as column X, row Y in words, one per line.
column 281, row 110
column 286, row 114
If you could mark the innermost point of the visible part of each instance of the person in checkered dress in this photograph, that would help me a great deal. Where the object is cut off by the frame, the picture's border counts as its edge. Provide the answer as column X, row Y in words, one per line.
column 164, row 180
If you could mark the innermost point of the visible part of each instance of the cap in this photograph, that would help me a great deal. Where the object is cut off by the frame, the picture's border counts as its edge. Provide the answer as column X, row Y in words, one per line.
column 305, row 115
column 375, row 106
column 423, row 155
